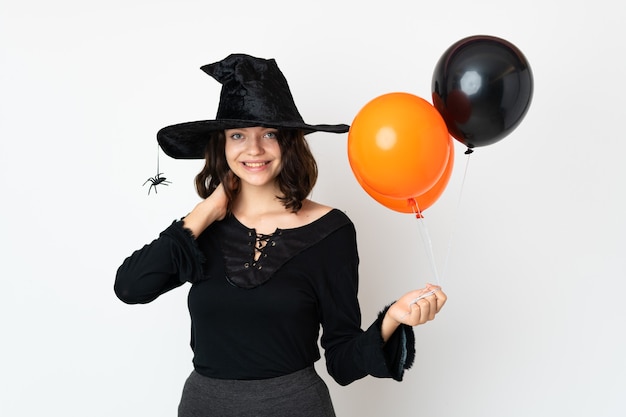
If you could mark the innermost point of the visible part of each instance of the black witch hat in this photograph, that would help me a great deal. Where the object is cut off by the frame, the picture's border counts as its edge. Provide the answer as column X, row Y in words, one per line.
column 254, row 93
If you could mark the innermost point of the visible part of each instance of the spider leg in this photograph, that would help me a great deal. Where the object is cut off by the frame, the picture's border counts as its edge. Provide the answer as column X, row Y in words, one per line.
column 156, row 180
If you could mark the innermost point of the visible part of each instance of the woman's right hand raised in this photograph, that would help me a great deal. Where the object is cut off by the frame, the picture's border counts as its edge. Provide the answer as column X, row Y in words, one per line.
column 211, row 209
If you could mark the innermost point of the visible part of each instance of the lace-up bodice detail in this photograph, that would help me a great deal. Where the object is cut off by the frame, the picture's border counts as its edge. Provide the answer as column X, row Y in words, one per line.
column 250, row 258
column 262, row 241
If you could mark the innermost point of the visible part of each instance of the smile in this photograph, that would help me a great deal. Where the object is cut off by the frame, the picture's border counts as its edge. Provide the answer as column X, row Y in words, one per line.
column 255, row 164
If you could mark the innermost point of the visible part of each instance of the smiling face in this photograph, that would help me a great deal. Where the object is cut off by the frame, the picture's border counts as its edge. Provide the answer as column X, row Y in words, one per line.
column 253, row 154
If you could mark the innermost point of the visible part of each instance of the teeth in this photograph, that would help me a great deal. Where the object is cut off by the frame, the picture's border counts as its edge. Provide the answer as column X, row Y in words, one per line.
column 254, row 164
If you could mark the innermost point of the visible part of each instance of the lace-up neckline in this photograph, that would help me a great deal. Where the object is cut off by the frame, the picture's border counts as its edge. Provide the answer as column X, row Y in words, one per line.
column 251, row 258
column 261, row 242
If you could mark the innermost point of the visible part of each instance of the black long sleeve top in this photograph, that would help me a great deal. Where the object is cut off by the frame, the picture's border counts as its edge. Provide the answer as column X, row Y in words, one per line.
column 256, row 319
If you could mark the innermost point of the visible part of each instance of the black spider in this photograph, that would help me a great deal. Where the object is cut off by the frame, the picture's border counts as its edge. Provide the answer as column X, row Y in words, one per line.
column 156, row 180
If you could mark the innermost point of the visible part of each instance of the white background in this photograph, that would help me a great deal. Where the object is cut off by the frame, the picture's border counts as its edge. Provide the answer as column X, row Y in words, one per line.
column 535, row 229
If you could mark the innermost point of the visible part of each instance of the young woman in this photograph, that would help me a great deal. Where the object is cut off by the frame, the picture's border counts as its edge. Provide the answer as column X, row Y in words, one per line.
column 267, row 265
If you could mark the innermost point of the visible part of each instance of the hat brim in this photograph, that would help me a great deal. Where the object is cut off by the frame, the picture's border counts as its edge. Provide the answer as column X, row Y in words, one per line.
column 188, row 140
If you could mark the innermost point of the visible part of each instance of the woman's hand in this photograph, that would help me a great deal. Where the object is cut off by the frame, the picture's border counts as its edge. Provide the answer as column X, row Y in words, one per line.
column 211, row 209
column 413, row 308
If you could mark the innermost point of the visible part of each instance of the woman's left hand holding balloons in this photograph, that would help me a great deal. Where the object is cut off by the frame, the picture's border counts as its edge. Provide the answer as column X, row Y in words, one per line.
column 413, row 308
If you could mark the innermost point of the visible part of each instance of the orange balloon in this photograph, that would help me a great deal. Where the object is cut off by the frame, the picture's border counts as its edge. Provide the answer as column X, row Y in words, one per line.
column 421, row 202
column 398, row 145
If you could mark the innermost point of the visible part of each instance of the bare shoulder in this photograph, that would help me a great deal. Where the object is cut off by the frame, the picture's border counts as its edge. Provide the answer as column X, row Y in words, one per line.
column 311, row 211
column 315, row 209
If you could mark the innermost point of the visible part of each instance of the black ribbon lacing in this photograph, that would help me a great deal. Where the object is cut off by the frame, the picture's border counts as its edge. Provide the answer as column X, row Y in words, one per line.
column 261, row 243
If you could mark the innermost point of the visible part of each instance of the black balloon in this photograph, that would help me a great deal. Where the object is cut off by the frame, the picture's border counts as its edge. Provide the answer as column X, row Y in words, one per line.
column 482, row 86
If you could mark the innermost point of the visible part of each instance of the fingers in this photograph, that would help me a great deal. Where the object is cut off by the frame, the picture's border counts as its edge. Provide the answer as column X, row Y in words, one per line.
column 440, row 296
column 419, row 313
column 427, row 304
column 426, row 310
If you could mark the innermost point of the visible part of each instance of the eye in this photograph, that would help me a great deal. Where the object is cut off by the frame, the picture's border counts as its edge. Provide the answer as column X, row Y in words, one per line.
column 272, row 134
column 236, row 136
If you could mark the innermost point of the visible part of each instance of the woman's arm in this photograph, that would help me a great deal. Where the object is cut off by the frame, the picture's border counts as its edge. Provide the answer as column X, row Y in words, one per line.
column 173, row 258
column 386, row 349
column 158, row 267
column 209, row 210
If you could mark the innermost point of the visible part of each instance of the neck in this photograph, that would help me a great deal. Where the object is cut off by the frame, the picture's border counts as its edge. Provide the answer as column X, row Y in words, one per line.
column 256, row 201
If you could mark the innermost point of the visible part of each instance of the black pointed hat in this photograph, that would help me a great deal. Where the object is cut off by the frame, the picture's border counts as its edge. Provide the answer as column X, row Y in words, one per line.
column 254, row 93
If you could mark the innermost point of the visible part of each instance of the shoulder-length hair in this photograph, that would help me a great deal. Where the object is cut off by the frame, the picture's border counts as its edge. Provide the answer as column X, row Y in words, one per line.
column 296, row 179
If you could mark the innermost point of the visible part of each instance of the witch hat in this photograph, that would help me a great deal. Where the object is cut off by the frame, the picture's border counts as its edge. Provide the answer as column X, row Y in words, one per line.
column 254, row 93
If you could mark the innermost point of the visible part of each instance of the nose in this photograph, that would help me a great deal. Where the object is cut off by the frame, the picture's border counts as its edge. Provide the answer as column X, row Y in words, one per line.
column 255, row 146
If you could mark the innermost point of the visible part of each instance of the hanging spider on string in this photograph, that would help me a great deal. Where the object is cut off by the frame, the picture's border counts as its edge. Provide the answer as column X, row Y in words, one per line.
column 157, row 179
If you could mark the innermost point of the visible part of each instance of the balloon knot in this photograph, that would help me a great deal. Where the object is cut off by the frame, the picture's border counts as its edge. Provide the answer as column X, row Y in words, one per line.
column 469, row 151
column 416, row 209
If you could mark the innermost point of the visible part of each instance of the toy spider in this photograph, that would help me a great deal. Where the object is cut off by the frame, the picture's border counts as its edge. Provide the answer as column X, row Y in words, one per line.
column 156, row 180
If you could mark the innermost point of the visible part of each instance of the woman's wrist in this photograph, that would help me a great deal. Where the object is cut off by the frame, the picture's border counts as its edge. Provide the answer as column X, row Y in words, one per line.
column 202, row 216
column 388, row 325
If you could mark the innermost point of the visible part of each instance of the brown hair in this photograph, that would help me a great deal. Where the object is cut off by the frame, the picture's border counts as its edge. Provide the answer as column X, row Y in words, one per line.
column 295, row 180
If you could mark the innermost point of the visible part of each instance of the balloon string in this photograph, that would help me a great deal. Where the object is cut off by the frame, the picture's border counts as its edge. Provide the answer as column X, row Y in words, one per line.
column 425, row 238
column 456, row 215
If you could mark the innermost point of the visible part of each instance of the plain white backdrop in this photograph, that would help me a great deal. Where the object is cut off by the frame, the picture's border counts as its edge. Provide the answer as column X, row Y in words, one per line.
column 530, row 231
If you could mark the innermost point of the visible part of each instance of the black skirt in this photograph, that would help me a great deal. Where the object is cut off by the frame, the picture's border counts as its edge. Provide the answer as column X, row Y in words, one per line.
column 302, row 393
